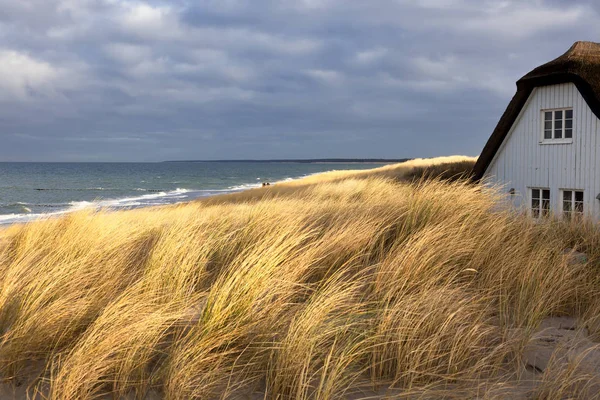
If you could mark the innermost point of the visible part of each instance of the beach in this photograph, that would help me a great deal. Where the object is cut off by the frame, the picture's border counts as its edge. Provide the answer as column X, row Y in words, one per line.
column 30, row 191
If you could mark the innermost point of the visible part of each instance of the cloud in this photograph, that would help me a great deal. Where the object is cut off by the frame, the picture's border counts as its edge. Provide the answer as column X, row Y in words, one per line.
column 147, row 21
column 502, row 19
column 23, row 78
column 127, row 53
column 436, row 4
column 270, row 78
column 370, row 56
column 326, row 76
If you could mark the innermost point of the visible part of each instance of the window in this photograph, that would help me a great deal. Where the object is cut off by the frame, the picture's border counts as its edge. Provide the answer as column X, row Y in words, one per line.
column 558, row 124
column 572, row 203
column 540, row 202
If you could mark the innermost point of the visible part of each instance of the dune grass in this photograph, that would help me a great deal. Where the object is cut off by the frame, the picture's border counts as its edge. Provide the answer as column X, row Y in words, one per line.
column 345, row 285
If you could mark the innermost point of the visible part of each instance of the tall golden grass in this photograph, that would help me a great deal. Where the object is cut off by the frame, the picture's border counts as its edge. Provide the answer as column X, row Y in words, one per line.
column 345, row 285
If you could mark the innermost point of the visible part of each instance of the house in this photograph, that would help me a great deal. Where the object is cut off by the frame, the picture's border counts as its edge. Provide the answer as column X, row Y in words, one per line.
column 545, row 150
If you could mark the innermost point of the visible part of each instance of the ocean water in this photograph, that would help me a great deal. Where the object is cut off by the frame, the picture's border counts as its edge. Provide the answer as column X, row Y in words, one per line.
column 33, row 190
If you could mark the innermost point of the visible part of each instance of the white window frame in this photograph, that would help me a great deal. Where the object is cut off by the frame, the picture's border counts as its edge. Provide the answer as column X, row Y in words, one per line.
column 563, row 128
column 540, row 209
column 568, row 214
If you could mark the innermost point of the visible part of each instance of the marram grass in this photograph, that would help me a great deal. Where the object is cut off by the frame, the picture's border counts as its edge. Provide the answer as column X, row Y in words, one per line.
column 342, row 285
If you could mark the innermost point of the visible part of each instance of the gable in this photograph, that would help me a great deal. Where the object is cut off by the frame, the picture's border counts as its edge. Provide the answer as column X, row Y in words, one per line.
column 580, row 66
column 524, row 159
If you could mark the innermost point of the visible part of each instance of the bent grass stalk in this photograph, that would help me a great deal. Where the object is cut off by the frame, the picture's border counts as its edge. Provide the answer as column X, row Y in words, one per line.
column 346, row 284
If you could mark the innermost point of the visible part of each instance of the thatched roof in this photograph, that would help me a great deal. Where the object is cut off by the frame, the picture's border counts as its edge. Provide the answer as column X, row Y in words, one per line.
column 580, row 65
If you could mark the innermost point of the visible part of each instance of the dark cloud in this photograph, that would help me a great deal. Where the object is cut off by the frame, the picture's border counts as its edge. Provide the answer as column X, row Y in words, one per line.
column 149, row 80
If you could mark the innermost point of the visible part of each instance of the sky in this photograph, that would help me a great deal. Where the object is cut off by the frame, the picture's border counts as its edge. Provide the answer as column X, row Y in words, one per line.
column 112, row 80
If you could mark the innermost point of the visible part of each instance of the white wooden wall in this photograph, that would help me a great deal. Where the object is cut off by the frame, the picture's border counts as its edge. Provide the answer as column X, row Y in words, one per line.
column 522, row 162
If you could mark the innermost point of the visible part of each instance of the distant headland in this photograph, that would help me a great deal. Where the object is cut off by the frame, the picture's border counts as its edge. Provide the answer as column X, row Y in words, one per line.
column 306, row 161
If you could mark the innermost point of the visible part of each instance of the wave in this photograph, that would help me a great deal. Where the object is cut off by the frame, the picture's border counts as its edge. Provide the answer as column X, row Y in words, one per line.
column 132, row 201
column 16, row 207
column 45, row 205
column 100, row 189
column 244, row 186
column 151, row 199
column 16, row 218
column 247, row 186
column 17, row 203
column 95, row 189
column 27, row 217
column 22, row 212
column 92, row 189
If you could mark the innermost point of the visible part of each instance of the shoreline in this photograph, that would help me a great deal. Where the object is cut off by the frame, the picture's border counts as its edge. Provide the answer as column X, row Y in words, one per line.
column 108, row 204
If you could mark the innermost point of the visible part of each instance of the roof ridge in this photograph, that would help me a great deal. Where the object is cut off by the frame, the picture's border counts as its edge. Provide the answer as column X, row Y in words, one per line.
column 583, row 49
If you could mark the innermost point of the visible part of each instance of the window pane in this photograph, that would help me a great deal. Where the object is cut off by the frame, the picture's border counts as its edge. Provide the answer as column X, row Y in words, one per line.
column 545, row 206
column 558, row 134
column 535, row 204
column 578, row 196
column 558, row 115
column 567, row 195
column 536, row 213
column 546, row 194
column 579, row 207
column 548, row 134
column 566, row 206
column 548, row 125
column 569, row 133
column 569, row 124
column 569, row 114
column 558, row 124
column 548, row 116
column 535, row 193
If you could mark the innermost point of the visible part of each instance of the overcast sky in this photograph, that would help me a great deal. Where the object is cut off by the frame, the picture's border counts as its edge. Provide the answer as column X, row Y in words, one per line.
column 111, row 80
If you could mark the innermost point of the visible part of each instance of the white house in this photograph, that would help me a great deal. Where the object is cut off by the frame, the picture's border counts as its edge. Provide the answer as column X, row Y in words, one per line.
column 546, row 147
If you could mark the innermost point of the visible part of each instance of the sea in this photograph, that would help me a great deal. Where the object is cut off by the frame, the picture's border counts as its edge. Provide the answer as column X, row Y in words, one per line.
column 29, row 191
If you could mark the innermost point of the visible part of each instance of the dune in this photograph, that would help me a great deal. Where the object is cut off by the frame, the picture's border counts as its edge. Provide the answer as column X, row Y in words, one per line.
column 405, row 281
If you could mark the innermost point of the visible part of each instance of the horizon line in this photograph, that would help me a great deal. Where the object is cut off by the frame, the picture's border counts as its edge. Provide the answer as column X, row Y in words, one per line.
column 300, row 160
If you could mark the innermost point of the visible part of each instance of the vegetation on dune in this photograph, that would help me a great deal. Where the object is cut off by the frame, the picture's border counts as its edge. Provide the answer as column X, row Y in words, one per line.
column 338, row 286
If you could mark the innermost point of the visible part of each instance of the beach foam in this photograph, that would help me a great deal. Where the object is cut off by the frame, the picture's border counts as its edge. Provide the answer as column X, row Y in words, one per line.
column 113, row 197
column 154, row 198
